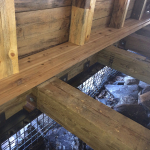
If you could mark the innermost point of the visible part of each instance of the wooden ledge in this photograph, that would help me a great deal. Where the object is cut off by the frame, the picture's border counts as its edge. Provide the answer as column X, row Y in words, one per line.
column 42, row 66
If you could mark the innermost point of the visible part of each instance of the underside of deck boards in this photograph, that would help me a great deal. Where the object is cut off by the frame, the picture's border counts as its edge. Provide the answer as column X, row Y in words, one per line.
column 41, row 40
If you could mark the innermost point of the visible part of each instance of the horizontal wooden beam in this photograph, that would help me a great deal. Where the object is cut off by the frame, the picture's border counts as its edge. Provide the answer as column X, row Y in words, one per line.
column 144, row 31
column 138, row 43
column 138, row 9
column 8, row 39
column 93, row 122
column 81, row 21
column 119, row 13
column 129, row 63
column 42, row 66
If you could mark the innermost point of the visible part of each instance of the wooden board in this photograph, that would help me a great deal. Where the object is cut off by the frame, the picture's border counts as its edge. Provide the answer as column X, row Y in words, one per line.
column 41, row 29
column 119, row 13
column 138, row 9
column 96, row 124
column 81, row 21
column 129, row 63
column 144, row 31
column 139, row 44
column 8, row 42
column 31, row 5
column 40, row 67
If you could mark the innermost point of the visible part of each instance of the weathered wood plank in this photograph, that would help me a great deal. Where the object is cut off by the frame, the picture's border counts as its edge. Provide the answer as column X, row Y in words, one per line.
column 44, row 65
column 31, row 5
column 81, row 21
column 8, row 42
column 90, row 120
column 144, row 31
column 138, row 9
column 138, row 43
column 129, row 63
column 119, row 13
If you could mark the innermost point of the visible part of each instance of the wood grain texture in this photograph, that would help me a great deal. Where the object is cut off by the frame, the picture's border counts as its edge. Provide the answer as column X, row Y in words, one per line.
column 42, row 29
column 42, row 66
column 129, row 63
column 90, row 120
column 139, row 44
column 119, row 13
column 32, row 5
column 138, row 9
column 8, row 40
column 81, row 24
column 81, row 3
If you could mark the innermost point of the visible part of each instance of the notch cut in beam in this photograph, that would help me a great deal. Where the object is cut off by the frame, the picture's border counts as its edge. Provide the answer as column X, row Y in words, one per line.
column 138, row 43
column 119, row 13
column 129, row 63
column 138, row 9
column 93, row 122
column 8, row 40
column 81, row 21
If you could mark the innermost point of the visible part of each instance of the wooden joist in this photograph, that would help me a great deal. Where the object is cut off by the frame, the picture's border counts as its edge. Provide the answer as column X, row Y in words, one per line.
column 8, row 42
column 138, row 9
column 119, row 13
column 138, row 43
column 81, row 21
column 42, row 66
column 129, row 63
column 96, row 124
column 144, row 31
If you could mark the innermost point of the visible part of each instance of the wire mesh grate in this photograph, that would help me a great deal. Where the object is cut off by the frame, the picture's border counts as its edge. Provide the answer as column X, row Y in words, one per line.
column 94, row 84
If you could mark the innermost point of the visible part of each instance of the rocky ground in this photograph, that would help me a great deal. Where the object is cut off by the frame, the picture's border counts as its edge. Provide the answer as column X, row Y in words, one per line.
column 129, row 97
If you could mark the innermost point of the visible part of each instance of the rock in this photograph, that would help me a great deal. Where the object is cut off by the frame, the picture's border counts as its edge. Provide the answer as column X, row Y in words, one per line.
column 101, row 100
column 119, row 91
column 127, row 100
column 101, row 95
column 130, row 80
column 143, row 84
column 119, row 78
column 134, row 112
column 146, row 89
column 112, row 102
column 145, row 100
column 118, row 83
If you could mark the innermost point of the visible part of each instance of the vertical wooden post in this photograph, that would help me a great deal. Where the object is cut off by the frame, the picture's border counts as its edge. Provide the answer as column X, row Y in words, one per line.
column 81, row 21
column 138, row 9
column 8, row 40
column 119, row 13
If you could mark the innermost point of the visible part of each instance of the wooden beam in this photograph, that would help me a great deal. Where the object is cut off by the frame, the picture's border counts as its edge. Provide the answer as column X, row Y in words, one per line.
column 93, row 122
column 42, row 66
column 8, row 42
column 138, row 43
column 129, row 63
column 81, row 21
column 144, row 31
column 119, row 13
column 138, row 9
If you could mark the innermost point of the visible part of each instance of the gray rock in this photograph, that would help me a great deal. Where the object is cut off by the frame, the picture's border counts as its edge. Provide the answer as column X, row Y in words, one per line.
column 127, row 100
column 146, row 89
column 143, row 84
column 119, row 91
column 130, row 80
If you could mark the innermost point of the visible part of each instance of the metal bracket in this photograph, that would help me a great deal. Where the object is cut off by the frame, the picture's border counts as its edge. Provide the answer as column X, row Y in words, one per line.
column 86, row 65
column 2, row 118
column 31, row 103
column 64, row 78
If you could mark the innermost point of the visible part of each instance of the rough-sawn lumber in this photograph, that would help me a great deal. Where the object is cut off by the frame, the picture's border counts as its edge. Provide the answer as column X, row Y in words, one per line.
column 93, row 122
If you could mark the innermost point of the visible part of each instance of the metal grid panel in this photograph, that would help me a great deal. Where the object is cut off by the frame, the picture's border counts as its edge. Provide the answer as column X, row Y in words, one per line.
column 94, row 84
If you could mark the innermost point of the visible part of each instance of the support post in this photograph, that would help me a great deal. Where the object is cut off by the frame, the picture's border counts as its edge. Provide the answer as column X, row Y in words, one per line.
column 81, row 21
column 8, row 40
column 129, row 63
column 119, row 13
column 138, row 9
column 93, row 122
